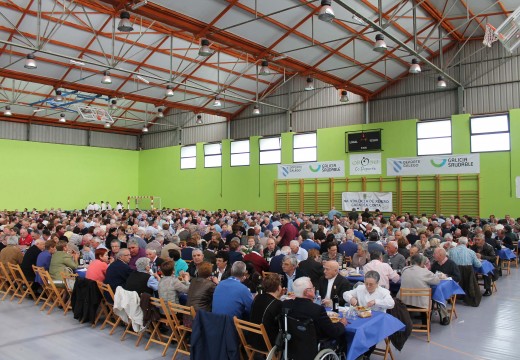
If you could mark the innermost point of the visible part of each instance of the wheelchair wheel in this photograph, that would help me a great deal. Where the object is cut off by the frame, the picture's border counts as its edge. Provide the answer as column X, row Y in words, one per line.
column 274, row 354
column 327, row 354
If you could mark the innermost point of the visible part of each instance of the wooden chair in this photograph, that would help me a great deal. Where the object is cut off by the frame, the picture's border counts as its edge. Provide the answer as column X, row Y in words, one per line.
column 106, row 308
column 68, row 280
column 420, row 293
column 7, row 281
column 265, row 273
column 156, row 336
column 44, row 295
column 506, row 267
column 21, row 282
column 55, row 294
column 177, row 313
column 244, row 327
column 386, row 351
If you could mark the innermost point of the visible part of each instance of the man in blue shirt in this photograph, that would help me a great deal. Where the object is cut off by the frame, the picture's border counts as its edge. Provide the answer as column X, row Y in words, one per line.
column 308, row 241
column 231, row 297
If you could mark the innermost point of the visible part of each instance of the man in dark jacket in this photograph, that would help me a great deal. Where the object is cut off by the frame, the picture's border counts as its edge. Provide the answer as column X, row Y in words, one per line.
column 290, row 272
column 118, row 272
column 332, row 283
column 312, row 267
column 29, row 259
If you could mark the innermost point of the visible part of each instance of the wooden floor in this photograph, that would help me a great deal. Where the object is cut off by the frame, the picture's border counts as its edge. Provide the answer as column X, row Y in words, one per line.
column 487, row 332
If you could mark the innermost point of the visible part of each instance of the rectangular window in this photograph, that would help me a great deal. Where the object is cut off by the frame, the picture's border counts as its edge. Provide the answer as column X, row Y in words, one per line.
column 490, row 133
column 212, row 155
column 189, row 157
column 240, row 153
column 304, row 147
column 270, row 150
column 434, row 137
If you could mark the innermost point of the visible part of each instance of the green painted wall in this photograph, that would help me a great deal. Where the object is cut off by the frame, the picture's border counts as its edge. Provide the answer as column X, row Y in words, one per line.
column 41, row 175
column 252, row 187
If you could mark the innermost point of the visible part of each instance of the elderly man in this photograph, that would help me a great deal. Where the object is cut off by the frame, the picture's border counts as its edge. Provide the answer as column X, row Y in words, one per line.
column 197, row 259
column 385, row 271
column 44, row 258
column 417, row 276
column 304, row 308
column 484, row 251
column 11, row 253
column 256, row 259
column 290, row 272
column 271, row 250
column 25, row 238
column 347, row 246
column 393, row 258
column 312, row 267
column 155, row 261
column 296, row 250
column 118, row 272
column 141, row 281
column 332, row 284
column 445, row 265
column 414, row 250
column 136, row 252
column 332, row 253
column 231, row 297
column 30, row 258
column 307, row 240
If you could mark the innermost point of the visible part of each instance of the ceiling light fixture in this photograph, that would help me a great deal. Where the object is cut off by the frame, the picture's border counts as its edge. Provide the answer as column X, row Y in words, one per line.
column 344, row 97
column 139, row 77
column 169, row 91
column 107, row 79
column 58, row 98
column 264, row 70
column 310, row 84
column 145, row 129
column 380, row 45
column 113, row 104
column 7, row 111
column 160, row 113
column 139, row 4
column 62, row 118
column 415, row 68
column 79, row 63
column 256, row 110
column 217, row 102
column 326, row 12
column 30, row 62
column 107, row 125
column 124, row 24
column 199, row 120
column 441, row 83
column 204, row 48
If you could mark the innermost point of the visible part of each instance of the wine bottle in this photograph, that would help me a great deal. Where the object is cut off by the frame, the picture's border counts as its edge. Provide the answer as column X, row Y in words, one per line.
column 335, row 301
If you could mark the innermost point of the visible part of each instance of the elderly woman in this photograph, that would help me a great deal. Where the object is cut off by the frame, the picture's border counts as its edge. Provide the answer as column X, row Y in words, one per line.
column 98, row 268
column 61, row 261
column 402, row 246
column 370, row 294
column 361, row 257
column 141, row 281
column 11, row 253
column 170, row 286
column 200, row 292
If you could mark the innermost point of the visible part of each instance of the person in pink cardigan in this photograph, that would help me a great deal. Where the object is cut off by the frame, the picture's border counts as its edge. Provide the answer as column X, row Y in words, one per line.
column 98, row 268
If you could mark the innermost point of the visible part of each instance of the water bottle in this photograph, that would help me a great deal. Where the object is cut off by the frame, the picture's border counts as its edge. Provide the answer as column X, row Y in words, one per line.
column 317, row 298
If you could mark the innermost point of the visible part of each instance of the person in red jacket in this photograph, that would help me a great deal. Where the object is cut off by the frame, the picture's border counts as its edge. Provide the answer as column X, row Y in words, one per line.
column 288, row 232
column 25, row 238
column 255, row 258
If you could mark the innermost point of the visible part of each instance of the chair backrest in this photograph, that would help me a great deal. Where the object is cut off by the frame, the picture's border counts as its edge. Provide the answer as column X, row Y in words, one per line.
column 265, row 273
column 69, row 279
column 178, row 311
column 16, row 271
column 106, row 293
column 5, row 273
column 245, row 328
column 417, row 292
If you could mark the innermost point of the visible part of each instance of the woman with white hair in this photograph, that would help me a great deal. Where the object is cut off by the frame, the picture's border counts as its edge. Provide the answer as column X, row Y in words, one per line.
column 141, row 281
column 11, row 253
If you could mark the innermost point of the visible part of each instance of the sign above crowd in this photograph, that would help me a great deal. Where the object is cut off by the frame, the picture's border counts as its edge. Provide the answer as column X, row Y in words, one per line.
column 365, row 164
column 312, row 170
column 372, row 200
column 434, row 165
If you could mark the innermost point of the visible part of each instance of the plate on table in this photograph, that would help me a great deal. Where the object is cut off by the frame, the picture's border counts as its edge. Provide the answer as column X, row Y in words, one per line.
column 334, row 316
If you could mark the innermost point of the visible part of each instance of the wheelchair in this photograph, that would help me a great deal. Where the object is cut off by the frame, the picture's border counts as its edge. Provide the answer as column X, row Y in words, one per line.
column 298, row 340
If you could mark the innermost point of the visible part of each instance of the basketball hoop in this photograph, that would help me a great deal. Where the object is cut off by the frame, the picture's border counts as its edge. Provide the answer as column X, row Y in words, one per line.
column 489, row 37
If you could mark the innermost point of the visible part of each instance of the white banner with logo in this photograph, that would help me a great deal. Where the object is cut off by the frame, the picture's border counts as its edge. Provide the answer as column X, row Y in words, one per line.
column 434, row 165
column 365, row 164
column 363, row 200
column 323, row 169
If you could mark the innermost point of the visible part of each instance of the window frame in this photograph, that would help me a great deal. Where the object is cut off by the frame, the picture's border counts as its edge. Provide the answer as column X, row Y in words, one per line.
column 231, row 153
column 417, row 138
column 305, row 147
column 471, row 135
column 279, row 149
column 188, row 157
column 212, row 155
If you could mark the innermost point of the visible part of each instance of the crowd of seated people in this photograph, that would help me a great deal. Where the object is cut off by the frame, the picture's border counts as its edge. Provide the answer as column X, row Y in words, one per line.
column 221, row 259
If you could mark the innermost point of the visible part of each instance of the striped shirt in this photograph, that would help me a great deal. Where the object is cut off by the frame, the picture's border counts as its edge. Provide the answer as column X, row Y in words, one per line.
column 461, row 255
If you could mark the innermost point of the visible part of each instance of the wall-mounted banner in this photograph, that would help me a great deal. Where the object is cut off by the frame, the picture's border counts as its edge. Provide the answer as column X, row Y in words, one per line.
column 363, row 200
column 434, row 165
column 365, row 164
column 323, row 169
